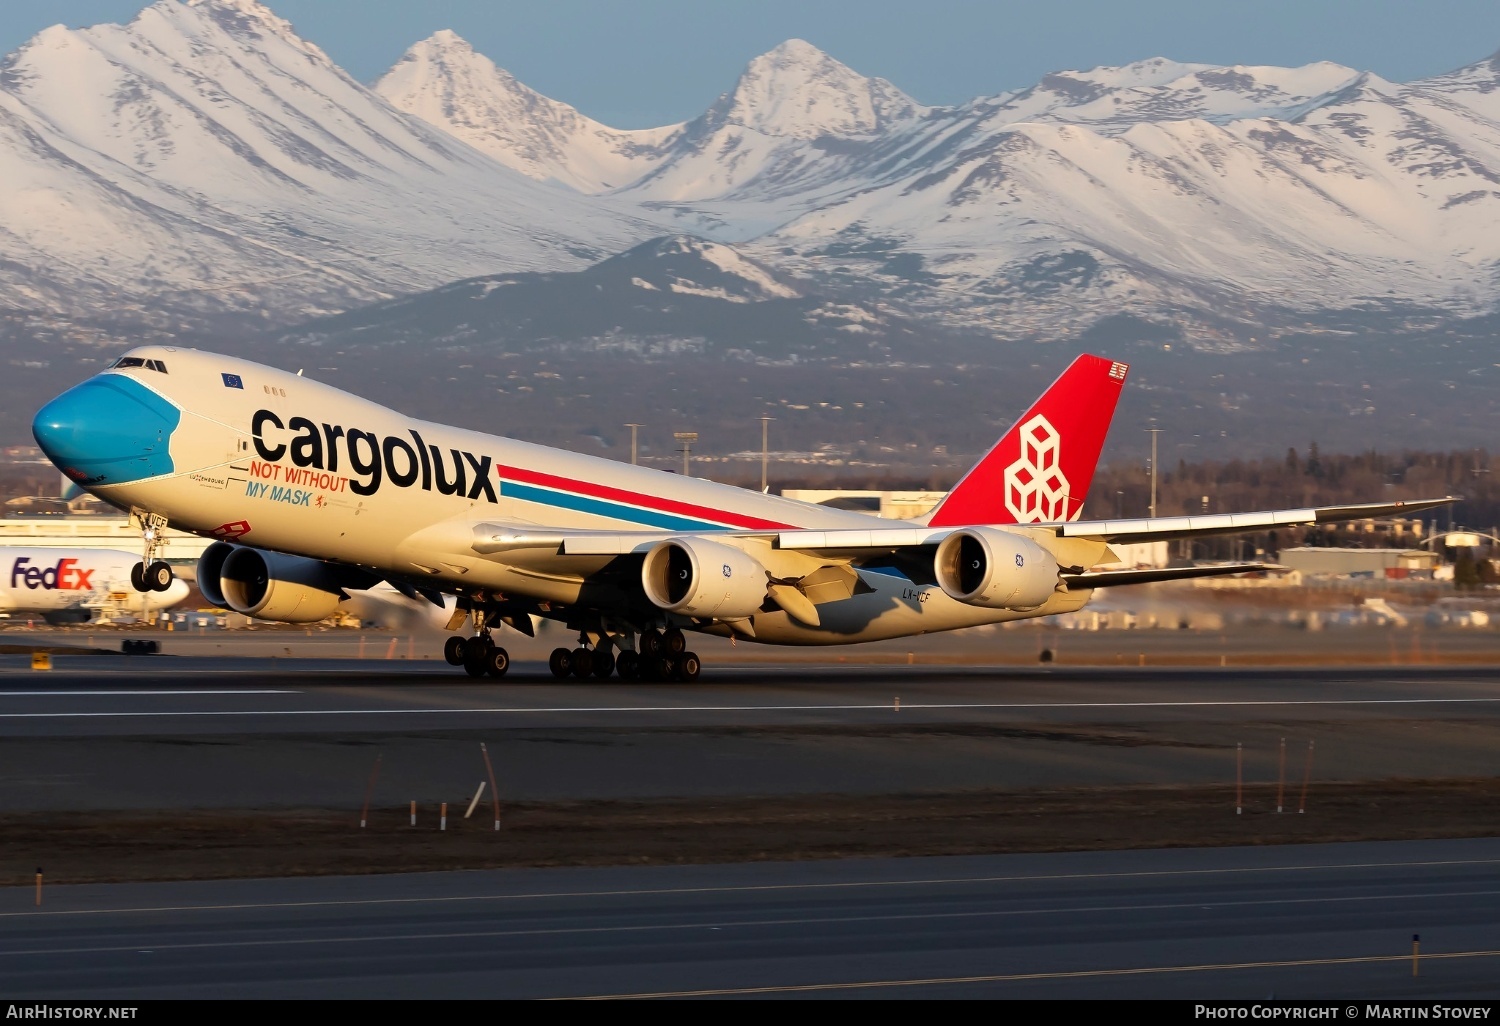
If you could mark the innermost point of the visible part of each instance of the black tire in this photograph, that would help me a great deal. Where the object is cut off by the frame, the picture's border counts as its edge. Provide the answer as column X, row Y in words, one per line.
column 560, row 663
column 497, row 662
column 650, row 643
column 604, row 663
column 688, row 667
column 627, row 664
column 674, row 642
column 453, row 650
column 159, row 576
column 138, row 577
column 129, row 647
column 663, row 668
column 474, row 667
column 583, row 663
column 477, row 649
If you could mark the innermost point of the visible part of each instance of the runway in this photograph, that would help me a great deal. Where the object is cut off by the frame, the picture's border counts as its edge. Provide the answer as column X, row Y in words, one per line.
column 1316, row 921
column 189, row 733
column 205, row 694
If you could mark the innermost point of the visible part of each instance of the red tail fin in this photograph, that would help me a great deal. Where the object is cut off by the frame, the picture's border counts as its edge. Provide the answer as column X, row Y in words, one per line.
column 1042, row 468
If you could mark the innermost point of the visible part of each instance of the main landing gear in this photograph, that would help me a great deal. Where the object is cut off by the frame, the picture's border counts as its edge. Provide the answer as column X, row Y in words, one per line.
column 479, row 655
column 151, row 574
column 663, row 656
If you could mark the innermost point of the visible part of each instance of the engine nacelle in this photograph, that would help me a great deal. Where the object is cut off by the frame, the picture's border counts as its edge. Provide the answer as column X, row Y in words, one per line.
column 211, row 568
column 702, row 578
column 274, row 586
column 995, row 569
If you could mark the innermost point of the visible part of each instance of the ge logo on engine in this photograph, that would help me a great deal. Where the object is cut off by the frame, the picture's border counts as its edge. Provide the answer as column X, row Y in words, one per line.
column 1035, row 487
column 1020, row 559
column 728, row 572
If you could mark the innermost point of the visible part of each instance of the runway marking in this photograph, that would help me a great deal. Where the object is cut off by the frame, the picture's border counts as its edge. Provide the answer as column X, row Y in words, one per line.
column 706, row 924
column 754, row 888
column 1021, row 977
column 884, row 706
column 169, row 691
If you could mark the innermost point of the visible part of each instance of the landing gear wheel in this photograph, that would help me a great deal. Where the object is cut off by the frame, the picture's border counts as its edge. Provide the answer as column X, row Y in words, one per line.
column 138, row 577
column 453, row 651
column 604, row 664
column 158, row 576
column 560, row 663
column 674, row 642
column 663, row 668
column 688, row 667
column 583, row 663
column 477, row 655
column 650, row 642
column 628, row 664
column 497, row 662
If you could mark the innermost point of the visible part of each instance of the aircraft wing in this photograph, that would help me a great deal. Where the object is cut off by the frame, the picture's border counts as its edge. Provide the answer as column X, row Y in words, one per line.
column 499, row 540
column 1168, row 528
column 1142, row 530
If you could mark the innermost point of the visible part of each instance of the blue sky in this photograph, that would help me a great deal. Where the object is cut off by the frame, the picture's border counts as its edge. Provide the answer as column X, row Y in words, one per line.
column 648, row 62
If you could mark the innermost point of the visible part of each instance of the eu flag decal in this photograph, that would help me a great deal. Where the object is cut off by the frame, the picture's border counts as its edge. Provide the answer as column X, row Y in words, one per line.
column 232, row 381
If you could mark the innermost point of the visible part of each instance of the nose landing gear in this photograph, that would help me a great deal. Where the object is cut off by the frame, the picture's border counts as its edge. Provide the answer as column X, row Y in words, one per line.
column 151, row 574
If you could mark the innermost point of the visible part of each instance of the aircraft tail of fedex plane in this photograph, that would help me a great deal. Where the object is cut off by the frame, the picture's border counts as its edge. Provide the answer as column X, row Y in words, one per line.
column 1041, row 470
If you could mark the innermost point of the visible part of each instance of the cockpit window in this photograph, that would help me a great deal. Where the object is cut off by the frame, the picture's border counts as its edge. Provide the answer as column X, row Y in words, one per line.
column 136, row 361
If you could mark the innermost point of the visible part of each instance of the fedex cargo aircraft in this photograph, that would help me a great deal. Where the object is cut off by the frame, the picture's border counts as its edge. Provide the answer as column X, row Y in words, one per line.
column 314, row 494
column 72, row 585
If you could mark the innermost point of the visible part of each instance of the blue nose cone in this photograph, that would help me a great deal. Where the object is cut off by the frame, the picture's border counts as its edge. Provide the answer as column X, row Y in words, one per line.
column 108, row 430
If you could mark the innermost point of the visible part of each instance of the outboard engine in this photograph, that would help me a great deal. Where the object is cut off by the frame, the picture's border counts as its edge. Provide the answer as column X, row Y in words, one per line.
column 995, row 569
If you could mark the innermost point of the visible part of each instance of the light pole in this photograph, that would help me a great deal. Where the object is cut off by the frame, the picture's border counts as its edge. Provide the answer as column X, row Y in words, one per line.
column 687, row 438
column 1154, row 433
column 765, row 448
column 633, row 429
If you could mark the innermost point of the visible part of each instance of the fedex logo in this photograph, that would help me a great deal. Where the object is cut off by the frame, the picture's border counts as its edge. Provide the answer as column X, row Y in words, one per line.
column 67, row 575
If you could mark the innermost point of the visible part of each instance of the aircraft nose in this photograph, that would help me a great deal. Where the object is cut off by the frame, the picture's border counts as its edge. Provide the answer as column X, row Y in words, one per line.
column 108, row 430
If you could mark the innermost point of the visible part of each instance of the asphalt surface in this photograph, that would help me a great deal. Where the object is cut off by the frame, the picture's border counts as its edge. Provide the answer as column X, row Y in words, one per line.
column 1316, row 921
column 186, row 733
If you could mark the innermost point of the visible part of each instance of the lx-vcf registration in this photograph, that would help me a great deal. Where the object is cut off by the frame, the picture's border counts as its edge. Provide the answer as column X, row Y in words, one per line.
column 313, row 494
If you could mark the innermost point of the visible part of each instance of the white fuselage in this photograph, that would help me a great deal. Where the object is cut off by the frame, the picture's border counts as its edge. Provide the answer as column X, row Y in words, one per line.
column 56, row 580
column 278, row 461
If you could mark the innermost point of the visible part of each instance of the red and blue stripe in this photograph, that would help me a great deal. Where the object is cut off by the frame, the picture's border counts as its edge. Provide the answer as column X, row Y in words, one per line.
column 622, row 504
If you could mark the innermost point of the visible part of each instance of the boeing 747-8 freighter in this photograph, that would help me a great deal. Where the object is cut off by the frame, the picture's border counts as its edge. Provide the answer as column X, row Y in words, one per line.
column 313, row 493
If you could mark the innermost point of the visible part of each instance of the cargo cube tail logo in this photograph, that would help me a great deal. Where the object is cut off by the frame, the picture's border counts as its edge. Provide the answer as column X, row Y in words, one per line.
column 1036, row 489
column 67, row 575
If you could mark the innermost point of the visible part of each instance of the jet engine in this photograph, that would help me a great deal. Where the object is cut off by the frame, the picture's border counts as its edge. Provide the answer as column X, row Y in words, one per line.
column 269, row 585
column 995, row 569
column 702, row 578
column 210, row 568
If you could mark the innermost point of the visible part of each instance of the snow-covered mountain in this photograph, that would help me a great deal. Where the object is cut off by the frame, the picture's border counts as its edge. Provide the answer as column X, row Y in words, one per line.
column 1157, row 187
column 206, row 157
column 443, row 81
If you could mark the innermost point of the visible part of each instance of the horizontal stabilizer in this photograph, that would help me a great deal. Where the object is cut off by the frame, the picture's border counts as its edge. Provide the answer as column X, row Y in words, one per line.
column 1115, row 578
